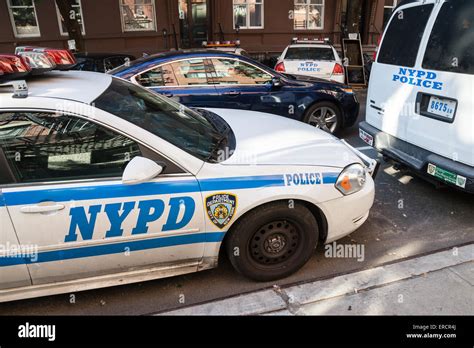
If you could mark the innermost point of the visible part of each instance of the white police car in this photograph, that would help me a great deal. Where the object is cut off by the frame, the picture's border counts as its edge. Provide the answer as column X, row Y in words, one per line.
column 103, row 182
column 312, row 58
column 420, row 101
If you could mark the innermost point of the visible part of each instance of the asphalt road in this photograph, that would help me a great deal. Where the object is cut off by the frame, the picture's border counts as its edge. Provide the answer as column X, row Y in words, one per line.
column 410, row 217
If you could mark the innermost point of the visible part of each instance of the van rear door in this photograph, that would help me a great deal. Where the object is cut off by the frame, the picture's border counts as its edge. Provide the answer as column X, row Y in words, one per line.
column 444, row 119
column 391, row 96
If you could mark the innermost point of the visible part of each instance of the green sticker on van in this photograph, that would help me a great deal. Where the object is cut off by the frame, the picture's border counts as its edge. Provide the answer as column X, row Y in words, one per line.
column 446, row 176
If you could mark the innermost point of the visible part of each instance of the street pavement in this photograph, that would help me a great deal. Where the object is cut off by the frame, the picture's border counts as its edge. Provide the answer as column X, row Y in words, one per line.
column 437, row 284
column 410, row 218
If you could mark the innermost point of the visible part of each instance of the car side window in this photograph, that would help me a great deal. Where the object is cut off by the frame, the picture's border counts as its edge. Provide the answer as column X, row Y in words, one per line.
column 42, row 147
column 157, row 77
column 113, row 62
column 235, row 72
column 403, row 36
column 191, row 72
column 451, row 44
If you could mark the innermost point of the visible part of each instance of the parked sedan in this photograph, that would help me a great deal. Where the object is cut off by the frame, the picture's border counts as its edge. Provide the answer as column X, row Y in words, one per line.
column 205, row 78
column 101, row 62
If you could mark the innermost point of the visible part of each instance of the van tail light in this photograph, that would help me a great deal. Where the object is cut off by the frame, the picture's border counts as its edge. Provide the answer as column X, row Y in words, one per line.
column 338, row 69
column 377, row 48
column 63, row 59
column 13, row 67
column 280, row 67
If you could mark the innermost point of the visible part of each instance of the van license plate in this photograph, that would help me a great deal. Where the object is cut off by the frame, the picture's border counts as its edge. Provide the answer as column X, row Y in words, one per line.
column 366, row 137
column 442, row 107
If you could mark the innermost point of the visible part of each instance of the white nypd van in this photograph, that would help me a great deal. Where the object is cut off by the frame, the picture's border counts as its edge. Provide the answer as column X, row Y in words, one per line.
column 420, row 104
column 103, row 182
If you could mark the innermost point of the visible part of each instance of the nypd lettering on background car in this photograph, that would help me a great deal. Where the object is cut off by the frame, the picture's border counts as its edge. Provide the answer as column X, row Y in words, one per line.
column 107, row 197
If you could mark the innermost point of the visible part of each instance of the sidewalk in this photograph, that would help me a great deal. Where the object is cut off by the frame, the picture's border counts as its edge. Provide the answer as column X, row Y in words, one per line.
column 437, row 284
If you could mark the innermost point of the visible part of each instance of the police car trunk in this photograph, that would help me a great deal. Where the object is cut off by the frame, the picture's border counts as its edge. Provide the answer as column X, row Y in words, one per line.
column 314, row 60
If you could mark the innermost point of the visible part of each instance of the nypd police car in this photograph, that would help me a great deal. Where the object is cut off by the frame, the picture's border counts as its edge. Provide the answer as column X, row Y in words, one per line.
column 103, row 182
column 316, row 58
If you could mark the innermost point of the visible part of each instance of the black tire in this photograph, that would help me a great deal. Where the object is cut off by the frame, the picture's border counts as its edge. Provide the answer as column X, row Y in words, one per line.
column 329, row 105
column 259, row 245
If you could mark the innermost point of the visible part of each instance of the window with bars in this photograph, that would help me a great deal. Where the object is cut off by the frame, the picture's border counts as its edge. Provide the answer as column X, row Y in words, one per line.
column 309, row 14
column 248, row 14
column 138, row 15
column 23, row 17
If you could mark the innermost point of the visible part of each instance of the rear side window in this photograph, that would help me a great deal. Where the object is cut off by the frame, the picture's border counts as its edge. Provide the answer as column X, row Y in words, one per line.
column 403, row 36
column 451, row 44
column 310, row 53
column 49, row 147
column 157, row 77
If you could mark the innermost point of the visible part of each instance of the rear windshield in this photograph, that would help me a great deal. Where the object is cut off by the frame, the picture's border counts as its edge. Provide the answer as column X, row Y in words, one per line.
column 403, row 36
column 310, row 53
column 451, row 44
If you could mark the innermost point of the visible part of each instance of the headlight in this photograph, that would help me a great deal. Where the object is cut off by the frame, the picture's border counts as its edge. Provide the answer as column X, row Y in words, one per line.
column 351, row 180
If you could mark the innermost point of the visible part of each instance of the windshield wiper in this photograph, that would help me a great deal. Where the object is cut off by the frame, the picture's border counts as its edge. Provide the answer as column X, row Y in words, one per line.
column 220, row 141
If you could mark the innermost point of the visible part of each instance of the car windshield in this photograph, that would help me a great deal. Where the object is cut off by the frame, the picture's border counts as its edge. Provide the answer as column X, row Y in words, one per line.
column 310, row 53
column 191, row 131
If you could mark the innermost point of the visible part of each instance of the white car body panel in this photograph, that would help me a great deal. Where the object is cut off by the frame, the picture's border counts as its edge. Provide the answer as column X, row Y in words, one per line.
column 16, row 273
column 294, row 161
column 297, row 144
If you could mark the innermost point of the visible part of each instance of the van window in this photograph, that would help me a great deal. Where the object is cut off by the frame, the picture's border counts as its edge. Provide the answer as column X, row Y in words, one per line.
column 403, row 36
column 451, row 44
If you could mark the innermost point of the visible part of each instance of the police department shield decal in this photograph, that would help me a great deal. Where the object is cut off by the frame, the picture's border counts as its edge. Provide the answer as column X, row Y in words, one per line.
column 220, row 208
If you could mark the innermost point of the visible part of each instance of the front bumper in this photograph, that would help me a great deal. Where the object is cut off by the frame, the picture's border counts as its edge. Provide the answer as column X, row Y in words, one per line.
column 424, row 162
column 372, row 165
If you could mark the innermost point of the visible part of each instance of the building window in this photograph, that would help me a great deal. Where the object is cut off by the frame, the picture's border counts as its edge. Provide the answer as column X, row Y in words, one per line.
column 138, row 15
column 248, row 14
column 76, row 13
column 309, row 14
column 23, row 17
column 388, row 8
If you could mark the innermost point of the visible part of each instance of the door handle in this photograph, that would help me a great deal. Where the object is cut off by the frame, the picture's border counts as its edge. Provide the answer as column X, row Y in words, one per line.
column 233, row 93
column 38, row 209
column 167, row 94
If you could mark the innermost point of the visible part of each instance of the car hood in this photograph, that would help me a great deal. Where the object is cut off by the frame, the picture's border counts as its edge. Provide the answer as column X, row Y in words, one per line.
column 264, row 139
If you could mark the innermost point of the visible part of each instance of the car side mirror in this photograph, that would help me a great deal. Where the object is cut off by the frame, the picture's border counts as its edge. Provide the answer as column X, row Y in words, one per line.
column 277, row 82
column 140, row 170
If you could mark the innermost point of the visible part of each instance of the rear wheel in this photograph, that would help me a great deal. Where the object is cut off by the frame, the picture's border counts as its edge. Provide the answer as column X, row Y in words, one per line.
column 273, row 241
column 324, row 115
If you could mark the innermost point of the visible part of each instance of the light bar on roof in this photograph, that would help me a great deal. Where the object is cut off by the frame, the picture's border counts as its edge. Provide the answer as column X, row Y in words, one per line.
column 63, row 59
column 13, row 67
column 305, row 40
column 39, row 62
column 213, row 44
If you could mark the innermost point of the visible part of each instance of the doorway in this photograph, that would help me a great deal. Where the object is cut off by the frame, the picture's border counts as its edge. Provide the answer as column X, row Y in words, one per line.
column 194, row 22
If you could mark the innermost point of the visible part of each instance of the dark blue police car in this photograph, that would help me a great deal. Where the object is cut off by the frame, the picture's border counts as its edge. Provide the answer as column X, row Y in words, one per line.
column 216, row 79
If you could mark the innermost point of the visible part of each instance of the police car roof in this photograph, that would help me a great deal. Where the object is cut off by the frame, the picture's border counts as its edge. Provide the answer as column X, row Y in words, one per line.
column 79, row 86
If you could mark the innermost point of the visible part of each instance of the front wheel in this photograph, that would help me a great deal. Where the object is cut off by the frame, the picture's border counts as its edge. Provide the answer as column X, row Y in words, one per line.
column 324, row 115
column 273, row 241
